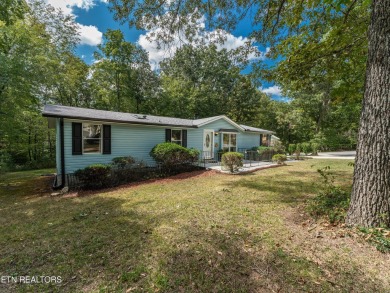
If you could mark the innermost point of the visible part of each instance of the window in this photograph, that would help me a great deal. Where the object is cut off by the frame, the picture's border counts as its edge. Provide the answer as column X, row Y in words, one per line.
column 176, row 136
column 264, row 140
column 92, row 137
column 229, row 143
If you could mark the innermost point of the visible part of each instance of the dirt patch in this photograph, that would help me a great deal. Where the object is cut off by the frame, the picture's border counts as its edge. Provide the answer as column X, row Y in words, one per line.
column 335, row 249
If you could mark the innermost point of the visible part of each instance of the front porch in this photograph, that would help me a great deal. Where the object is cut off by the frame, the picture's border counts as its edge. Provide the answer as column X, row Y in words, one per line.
column 252, row 161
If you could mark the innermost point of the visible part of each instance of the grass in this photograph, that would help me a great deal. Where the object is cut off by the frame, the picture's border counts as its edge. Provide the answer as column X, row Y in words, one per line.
column 205, row 233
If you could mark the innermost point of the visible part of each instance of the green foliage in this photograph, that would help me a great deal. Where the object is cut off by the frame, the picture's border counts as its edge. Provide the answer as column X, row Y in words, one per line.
column 279, row 158
column 94, row 176
column 279, row 148
column 169, row 154
column 203, row 81
column 123, row 79
column 379, row 237
column 314, row 148
column 292, row 148
column 264, row 149
column 306, row 148
column 332, row 202
column 232, row 161
column 123, row 162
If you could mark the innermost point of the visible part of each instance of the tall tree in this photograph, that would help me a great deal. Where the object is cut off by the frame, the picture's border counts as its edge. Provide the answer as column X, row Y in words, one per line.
column 370, row 201
column 203, row 81
column 34, row 39
column 122, row 77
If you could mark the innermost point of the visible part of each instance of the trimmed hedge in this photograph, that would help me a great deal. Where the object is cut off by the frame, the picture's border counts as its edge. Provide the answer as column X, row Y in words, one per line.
column 123, row 162
column 233, row 161
column 279, row 158
column 95, row 176
column 170, row 154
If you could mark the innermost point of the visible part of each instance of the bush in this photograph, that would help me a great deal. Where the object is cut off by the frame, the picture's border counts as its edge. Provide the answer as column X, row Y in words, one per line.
column 298, row 149
column 291, row 149
column 278, row 148
column 332, row 202
column 314, row 148
column 279, row 158
column 306, row 148
column 232, row 160
column 123, row 162
column 94, row 176
column 170, row 154
column 265, row 153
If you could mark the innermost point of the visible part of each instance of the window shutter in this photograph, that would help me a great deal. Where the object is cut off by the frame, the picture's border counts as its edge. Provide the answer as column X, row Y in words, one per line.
column 261, row 139
column 77, row 139
column 184, row 138
column 106, row 139
column 168, row 135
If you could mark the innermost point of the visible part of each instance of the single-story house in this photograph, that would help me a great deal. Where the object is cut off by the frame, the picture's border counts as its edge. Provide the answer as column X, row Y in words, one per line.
column 88, row 136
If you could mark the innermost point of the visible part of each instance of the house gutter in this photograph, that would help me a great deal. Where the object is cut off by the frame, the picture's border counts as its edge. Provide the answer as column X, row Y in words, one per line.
column 62, row 185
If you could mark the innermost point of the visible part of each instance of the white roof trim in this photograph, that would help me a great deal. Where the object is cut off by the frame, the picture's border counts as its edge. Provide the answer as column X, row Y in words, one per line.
column 225, row 118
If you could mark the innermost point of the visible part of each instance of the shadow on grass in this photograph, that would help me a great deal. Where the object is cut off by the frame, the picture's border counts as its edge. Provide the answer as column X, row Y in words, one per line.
column 88, row 242
column 279, row 190
column 226, row 261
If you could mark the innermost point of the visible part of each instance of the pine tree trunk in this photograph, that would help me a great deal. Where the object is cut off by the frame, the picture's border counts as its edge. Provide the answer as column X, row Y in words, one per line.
column 370, row 201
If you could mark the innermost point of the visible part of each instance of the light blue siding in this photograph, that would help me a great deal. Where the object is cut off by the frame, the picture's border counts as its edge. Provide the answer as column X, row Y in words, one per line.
column 249, row 140
column 126, row 140
column 138, row 140
column 195, row 140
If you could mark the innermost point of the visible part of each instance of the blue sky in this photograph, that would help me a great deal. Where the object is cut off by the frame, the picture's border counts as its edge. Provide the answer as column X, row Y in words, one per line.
column 94, row 18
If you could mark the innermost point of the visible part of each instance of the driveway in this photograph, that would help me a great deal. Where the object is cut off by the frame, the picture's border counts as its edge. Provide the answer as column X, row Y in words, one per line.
column 349, row 155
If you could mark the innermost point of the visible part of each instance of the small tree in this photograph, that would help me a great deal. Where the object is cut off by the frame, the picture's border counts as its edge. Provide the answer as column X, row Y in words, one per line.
column 306, row 148
column 298, row 151
column 291, row 148
column 171, row 154
column 233, row 161
column 280, row 159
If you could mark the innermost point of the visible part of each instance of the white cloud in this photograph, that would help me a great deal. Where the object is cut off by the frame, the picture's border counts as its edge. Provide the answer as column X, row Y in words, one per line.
column 90, row 35
column 231, row 42
column 272, row 90
column 67, row 5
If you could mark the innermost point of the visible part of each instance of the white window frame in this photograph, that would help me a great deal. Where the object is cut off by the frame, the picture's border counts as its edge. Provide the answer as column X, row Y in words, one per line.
column 181, row 136
column 83, row 139
column 230, row 141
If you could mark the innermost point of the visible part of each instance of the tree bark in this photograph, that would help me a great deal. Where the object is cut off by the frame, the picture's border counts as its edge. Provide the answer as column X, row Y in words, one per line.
column 370, row 199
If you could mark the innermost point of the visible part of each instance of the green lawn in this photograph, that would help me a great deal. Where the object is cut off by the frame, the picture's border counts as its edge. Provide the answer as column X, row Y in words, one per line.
column 205, row 233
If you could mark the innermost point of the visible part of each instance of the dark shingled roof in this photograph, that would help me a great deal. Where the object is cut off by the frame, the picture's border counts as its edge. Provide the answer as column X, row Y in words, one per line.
column 100, row 115
column 254, row 129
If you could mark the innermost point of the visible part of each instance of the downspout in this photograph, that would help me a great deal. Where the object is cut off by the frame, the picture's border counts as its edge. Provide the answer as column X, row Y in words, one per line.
column 62, row 185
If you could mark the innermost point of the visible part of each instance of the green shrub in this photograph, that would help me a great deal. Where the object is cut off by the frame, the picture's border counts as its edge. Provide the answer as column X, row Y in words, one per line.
column 306, row 148
column 279, row 158
column 291, row 148
column 298, row 150
column 332, row 202
column 232, row 161
column 278, row 148
column 123, row 162
column 95, row 176
column 265, row 153
column 314, row 148
column 169, row 154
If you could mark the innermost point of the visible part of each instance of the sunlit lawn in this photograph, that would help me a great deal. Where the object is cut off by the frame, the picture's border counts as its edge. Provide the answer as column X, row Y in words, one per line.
column 206, row 233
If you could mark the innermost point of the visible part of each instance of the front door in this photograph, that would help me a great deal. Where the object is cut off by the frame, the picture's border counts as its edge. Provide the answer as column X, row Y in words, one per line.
column 208, row 141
